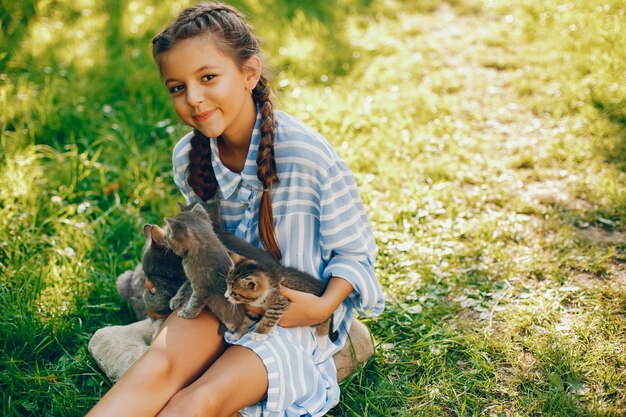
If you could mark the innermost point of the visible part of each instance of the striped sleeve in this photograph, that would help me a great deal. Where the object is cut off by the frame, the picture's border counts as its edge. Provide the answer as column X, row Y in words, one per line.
column 347, row 239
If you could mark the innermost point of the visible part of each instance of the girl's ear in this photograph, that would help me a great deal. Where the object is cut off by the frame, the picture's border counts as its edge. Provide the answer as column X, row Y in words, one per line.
column 252, row 71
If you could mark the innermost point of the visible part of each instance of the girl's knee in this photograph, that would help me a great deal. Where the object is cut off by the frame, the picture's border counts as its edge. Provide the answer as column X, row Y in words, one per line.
column 158, row 365
column 212, row 406
column 194, row 403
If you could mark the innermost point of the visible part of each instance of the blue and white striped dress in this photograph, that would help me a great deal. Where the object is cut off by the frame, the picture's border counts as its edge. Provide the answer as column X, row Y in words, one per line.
column 322, row 229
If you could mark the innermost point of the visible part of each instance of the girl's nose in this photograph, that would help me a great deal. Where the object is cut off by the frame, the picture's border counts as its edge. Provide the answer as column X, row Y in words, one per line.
column 194, row 96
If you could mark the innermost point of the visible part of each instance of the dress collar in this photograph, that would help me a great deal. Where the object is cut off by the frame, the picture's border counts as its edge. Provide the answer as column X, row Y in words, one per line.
column 228, row 180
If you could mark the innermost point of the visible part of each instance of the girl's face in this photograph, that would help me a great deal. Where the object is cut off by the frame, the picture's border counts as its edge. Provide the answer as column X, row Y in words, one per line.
column 210, row 92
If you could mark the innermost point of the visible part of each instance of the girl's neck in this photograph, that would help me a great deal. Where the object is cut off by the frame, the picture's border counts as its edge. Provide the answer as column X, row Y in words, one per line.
column 234, row 145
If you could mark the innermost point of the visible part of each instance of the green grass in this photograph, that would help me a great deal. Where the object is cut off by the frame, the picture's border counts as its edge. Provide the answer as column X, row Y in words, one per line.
column 489, row 143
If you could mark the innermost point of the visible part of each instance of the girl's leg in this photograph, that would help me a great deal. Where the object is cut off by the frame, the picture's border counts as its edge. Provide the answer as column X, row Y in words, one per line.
column 237, row 379
column 182, row 351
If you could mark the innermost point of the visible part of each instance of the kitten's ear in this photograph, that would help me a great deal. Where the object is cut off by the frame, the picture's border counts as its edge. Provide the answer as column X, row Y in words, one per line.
column 170, row 221
column 181, row 206
column 198, row 209
column 251, row 285
column 236, row 258
column 147, row 230
column 157, row 235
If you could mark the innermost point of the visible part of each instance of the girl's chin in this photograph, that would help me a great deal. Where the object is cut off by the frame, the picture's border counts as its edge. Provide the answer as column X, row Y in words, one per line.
column 209, row 133
column 209, row 128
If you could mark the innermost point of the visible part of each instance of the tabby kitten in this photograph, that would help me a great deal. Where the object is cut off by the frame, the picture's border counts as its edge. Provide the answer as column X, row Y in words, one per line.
column 256, row 284
column 206, row 263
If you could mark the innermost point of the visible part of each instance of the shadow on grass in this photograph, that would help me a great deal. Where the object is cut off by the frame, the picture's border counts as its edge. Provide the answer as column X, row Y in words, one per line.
column 616, row 114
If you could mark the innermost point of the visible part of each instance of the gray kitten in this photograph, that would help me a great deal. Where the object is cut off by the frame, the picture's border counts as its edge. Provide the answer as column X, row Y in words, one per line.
column 256, row 284
column 206, row 263
column 164, row 269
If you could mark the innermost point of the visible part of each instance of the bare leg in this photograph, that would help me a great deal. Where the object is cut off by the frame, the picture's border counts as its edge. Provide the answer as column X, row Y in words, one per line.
column 237, row 379
column 182, row 350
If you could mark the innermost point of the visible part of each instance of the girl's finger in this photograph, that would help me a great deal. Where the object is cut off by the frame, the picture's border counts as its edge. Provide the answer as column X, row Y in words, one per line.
column 287, row 292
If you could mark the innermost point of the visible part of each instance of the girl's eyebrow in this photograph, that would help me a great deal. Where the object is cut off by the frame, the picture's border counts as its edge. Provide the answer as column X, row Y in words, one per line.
column 202, row 68
column 206, row 67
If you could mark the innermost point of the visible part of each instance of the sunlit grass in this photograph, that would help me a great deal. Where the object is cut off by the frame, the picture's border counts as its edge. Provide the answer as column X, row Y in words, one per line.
column 72, row 32
column 488, row 141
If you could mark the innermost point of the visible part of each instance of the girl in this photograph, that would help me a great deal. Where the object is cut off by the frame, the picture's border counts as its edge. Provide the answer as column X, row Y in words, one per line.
column 281, row 186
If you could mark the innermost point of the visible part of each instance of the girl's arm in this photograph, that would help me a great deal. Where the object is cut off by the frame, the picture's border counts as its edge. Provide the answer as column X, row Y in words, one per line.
column 307, row 309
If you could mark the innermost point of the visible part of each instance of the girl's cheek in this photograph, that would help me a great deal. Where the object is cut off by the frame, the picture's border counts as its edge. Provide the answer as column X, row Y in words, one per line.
column 180, row 112
column 179, row 104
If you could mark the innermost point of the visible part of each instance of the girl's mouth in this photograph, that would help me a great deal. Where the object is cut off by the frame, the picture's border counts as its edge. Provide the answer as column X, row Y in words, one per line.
column 203, row 116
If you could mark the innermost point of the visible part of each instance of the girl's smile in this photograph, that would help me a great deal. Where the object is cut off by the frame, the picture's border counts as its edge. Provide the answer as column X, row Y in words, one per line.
column 204, row 116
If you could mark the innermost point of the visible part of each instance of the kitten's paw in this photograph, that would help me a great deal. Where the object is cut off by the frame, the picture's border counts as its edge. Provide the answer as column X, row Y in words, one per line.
column 156, row 327
column 176, row 302
column 236, row 336
column 188, row 314
column 258, row 337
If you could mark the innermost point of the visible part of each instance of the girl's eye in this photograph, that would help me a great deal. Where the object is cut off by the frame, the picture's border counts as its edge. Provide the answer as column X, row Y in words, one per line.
column 208, row 77
column 175, row 89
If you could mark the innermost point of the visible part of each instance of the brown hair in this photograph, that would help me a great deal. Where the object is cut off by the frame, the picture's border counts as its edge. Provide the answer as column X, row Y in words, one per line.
column 232, row 35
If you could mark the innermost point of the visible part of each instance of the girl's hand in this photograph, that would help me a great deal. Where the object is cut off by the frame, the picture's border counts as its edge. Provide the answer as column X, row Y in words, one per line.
column 304, row 309
column 308, row 309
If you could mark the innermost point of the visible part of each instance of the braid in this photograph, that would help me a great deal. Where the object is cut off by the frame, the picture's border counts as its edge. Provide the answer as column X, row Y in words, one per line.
column 228, row 28
column 266, row 168
column 200, row 174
